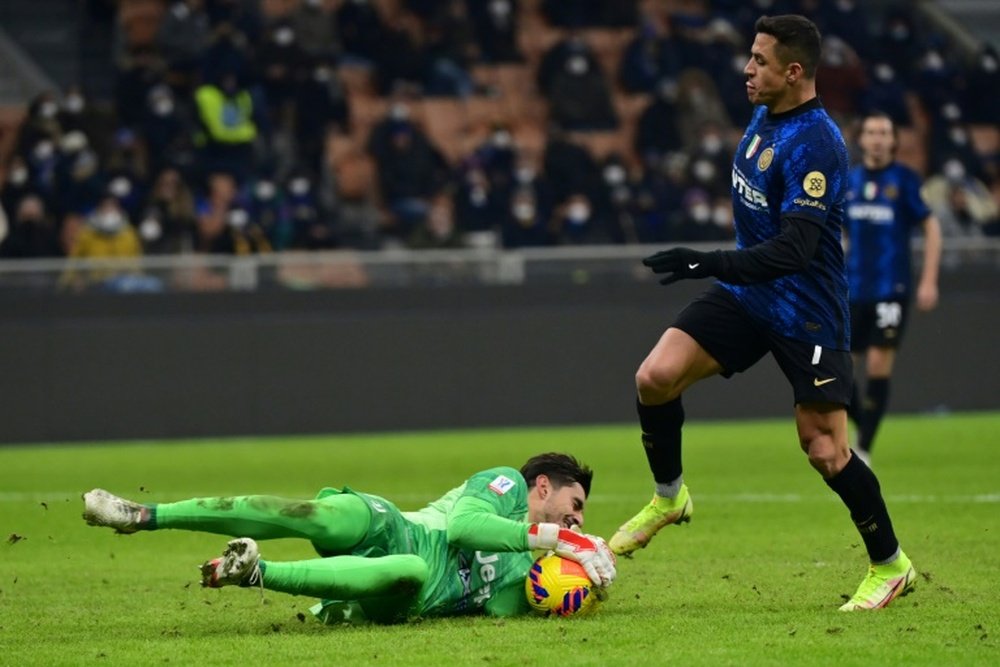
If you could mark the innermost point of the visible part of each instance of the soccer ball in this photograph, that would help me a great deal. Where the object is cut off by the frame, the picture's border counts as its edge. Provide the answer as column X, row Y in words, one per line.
column 557, row 586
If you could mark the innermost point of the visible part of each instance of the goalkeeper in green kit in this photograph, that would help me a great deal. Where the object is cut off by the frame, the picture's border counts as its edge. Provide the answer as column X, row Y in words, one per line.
column 467, row 552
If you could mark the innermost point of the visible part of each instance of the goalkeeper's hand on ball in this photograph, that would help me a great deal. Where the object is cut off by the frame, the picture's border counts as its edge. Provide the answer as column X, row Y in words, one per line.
column 589, row 551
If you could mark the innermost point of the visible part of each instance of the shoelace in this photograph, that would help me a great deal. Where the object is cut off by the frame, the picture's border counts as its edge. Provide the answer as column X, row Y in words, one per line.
column 256, row 579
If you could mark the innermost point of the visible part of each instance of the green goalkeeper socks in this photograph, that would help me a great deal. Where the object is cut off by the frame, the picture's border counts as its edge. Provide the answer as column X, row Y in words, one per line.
column 335, row 524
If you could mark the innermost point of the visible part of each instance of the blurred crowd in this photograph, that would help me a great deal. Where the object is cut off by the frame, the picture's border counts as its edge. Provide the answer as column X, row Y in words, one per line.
column 222, row 134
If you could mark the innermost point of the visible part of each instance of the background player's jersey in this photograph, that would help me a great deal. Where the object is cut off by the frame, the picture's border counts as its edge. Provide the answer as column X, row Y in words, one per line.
column 794, row 163
column 883, row 207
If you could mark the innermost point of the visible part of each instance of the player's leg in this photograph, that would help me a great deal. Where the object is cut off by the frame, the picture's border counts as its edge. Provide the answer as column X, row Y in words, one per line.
column 387, row 588
column 822, row 431
column 334, row 523
column 878, row 369
column 696, row 347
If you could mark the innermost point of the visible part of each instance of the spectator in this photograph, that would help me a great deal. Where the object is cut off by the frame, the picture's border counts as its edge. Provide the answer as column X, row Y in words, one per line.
column 451, row 50
column 16, row 186
column 224, row 225
column 962, row 203
column 399, row 59
column 840, row 80
column 579, row 96
column 168, row 221
column 78, row 114
column 279, row 59
column 496, row 27
column 526, row 222
column 985, row 75
column 229, row 117
column 438, row 229
column 311, row 228
column 569, row 168
column 361, row 29
column 410, row 169
column 887, row 94
column 107, row 234
column 650, row 57
column 184, row 36
column 32, row 232
column 658, row 198
column 138, row 73
column 657, row 132
column 315, row 26
column 698, row 103
column 321, row 105
column 41, row 125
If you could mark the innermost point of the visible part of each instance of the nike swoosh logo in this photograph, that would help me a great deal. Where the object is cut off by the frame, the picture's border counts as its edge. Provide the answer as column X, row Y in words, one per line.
column 820, row 383
column 692, row 267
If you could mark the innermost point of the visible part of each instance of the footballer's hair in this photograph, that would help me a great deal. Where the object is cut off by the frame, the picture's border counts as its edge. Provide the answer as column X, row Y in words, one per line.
column 798, row 40
column 878, row 114
column 561, row 469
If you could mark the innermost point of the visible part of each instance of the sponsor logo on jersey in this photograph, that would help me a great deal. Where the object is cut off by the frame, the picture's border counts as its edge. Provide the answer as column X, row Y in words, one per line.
column 879, row 214
column 871, row 190
column 501, row 485
column 487, row 573
column 811, row 203
column 814, row 184
column 765, row 159
column 891, row 192
column 750, row 195
column 754, row 145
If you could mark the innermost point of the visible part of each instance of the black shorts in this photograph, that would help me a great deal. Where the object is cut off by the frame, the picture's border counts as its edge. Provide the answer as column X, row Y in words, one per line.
column 718, row 322
column 878, row 324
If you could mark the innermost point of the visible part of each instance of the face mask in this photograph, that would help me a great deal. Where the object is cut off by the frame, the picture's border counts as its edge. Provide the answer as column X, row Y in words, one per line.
column 578, row 213
column 299, row 186
column 237, row 218
column 48, row 110
column 18, row 176
column 899, row 32
column 577, row 66
column 524, row 174
column 399, row 111
column 958, row 136
column 721, row 216
column 954, row 170
column 614, row 174
column 477, row 196
column 524, row 211
column 321, row 74
column 884, row 73
column 501, row 139
column 284, row 36
column 951, row 111
column 933, row 62
column 150, row 230
column 73, row 142
column 701, row 213
column 265, row 190
column 43, row 150
column 108, row 222
column 989, row 64
column 711, row 144
column 163, row 106
column 120, row 187
column 74, row 104
column 703, row 171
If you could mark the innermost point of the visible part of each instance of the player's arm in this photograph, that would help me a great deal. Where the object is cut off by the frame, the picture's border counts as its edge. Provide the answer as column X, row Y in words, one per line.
column 787, row 253
column 927, row 288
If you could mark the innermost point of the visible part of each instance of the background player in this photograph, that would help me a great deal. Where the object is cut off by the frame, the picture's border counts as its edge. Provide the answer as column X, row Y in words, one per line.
column 782, row 291
column 884, row 206
column 467, row 552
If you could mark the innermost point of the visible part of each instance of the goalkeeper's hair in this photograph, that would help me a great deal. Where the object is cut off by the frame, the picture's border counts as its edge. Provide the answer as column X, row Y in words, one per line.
column 561, row 469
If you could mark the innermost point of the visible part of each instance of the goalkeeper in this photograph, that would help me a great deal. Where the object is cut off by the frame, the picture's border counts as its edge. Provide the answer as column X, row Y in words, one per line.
column 467, row 552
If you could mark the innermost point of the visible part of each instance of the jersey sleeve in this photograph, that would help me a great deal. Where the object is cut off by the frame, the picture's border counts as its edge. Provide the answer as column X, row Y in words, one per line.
column 812, row 179
column 911, row 198
column 489, row 515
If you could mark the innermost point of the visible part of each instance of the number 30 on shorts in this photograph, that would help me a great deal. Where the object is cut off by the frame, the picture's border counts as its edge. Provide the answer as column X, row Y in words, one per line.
column 888, row 314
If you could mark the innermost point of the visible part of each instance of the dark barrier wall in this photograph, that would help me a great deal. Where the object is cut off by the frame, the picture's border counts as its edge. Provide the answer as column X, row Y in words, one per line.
column 93, row 367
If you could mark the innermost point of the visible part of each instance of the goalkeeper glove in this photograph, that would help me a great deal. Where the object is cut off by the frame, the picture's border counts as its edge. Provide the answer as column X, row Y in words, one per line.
column 588, row 550
column 681, row 263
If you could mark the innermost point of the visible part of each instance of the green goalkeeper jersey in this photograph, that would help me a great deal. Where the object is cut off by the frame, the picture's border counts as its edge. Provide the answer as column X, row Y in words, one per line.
column 483, row 567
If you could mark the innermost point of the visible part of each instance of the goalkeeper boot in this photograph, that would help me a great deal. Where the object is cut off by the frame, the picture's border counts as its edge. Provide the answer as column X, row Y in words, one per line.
column 639, row 530
column 101, row 508
column 883, row 584
column 239, row 565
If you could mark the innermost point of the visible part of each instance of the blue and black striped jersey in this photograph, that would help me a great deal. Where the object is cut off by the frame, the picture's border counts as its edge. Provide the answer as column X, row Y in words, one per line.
column 883, row 208
column 794, row 164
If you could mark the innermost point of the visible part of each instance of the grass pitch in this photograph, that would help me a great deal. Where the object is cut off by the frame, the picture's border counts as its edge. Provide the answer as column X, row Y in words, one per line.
column 754, row 579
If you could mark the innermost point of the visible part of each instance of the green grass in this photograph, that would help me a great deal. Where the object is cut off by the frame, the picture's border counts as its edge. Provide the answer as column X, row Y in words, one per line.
column 756, row 578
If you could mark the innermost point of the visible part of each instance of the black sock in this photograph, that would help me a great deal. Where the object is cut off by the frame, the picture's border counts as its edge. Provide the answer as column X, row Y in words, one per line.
column 876, row 399
column 858, row 487
column 854, row 407
column 661, row 438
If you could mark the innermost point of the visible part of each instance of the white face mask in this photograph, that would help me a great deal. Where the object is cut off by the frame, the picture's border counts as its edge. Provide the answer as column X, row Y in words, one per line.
column 399, row 111
column 524, row 211
column 701, row 213
column 150, row 230
column 43, row 150
column 477, row 195
column 577, row 66
column 48, row 109
column 120, row 187
column 163, row 106
column 108, row 222
column 711, row 144
column 722, row 217
column 958, row 136
column 703, row 170
column 501, row 139
column 954, row 170
column 18, row 176
column 74, row 103
column 989, row 64
column 284, row 36
column 578, row 213
column 237, row 218
column 524, row 174
column 299, row 186
column 614, row 174
column 884, row 72
column 265, row 190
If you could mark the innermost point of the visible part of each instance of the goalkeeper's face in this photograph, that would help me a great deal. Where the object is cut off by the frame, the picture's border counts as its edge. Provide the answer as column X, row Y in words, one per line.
column 557, row 504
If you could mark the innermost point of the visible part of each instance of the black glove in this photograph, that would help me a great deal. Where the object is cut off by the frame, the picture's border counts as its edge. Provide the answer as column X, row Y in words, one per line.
column 681, row 263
